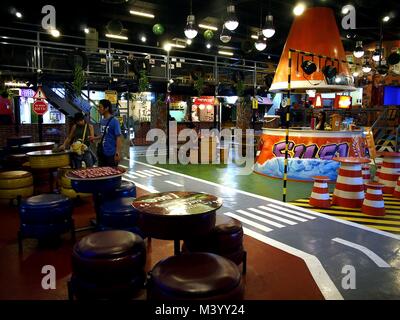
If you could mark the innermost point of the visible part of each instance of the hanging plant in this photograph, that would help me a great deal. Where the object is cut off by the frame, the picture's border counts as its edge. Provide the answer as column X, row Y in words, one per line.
column 144, row 84
column 79, row 79
column 199, row 85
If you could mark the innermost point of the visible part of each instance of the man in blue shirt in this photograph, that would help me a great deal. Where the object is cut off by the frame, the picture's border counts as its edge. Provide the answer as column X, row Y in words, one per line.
column 109, row 148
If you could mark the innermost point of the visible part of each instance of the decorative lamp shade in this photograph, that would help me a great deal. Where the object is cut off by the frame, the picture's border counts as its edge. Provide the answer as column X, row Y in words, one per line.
column 318, row 101
column 315, row 31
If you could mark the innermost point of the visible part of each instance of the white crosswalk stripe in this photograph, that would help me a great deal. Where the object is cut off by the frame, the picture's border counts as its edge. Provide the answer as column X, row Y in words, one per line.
column 283, row 214
column 134, row 173
column 130, row 176
column 145, row 173
column 251, row 215
column 153, row 173
column 160, row 172
column 289, row 222
column 249, row 222
column 173, row 183
column 292, row 211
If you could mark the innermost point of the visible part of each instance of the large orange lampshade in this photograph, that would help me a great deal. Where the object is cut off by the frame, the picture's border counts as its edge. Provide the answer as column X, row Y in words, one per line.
column 314, row 31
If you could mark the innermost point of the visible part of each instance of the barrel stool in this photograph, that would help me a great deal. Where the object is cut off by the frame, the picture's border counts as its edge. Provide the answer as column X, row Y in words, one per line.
column 225, row 239
column 195, row 276
column 119, row 214
column 108, row 265
column 45, row 217
column 65, row 186
column 15, row 185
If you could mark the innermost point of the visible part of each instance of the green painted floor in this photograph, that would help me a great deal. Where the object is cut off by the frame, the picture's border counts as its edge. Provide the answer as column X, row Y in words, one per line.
column 254, row 183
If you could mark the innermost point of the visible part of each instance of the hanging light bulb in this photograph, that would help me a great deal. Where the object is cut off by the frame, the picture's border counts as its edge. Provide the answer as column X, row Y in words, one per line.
column 231, row 22
column 261, row 43
column 225, row 36
column 358, row 50
column 376, row 55
column 190, row 29
column 269, row 29
column 366, row 67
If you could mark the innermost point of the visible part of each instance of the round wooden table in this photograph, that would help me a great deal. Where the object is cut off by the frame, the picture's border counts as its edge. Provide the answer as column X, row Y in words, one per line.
column 176, row 215
column 37, row 146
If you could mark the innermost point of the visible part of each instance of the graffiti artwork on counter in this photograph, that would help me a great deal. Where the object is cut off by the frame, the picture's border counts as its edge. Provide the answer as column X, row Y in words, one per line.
column 312, row 151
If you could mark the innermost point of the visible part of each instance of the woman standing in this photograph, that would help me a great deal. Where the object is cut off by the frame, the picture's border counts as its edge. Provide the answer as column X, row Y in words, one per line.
column 321, row 121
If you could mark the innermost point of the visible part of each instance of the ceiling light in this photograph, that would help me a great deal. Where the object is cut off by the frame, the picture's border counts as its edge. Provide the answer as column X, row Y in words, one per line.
column 338, row 80
column 225, row 36
column 167, row 46
column 308, row 67
column 356, row 74
column 358, row 50
column 18, row 15
column 393, row 58
column 143, row 38
column 269, row 29
column 376, row 55
column 115, row 36
column 208, row 45
column 86, row 30
column 190, row 29
column 15, row 84
column 55, row 33
column 345, row 10
column 261, row 43
column 366, row 67
column 226, row 53
column 177, row 45
column 189, row 41
column 385, row 18
column 231, row 22
column 254, row 36
column 299, row 9
column 207, row 27
column 142, row 14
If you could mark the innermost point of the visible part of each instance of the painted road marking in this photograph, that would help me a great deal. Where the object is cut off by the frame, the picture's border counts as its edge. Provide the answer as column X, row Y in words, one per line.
column 130, row 176
column 283, row 214
column 160, row 172
column 251, row 215
column 153, row 173
column 174, row 183
column 292, row 211
column 292, row 223
column 249, row 222
column 141, row 186
column 319, row 274
column 145, row 173
column 137, row 174
column 369, row 253
column 228, row 190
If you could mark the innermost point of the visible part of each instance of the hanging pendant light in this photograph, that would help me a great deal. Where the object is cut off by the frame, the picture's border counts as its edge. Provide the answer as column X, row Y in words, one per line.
column 358, row 50
column 225, row 36
column 231, row 22
column 190, row 28
column 376, row 55
column 366, row 67
column 261, row 42
column 269, row 29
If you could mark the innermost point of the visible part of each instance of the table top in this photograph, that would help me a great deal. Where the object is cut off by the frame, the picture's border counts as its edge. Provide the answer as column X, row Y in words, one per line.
column 72, row 176
column 352, row 160
column 19, row 137
column 46, row 153
column 177, row 203
column 38, row 144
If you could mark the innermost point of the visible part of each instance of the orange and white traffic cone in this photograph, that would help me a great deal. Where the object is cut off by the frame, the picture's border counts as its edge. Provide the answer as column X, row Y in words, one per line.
column 373, row 204
column 349, row 188
column 390, row 171
column 366, row 173
column 396, row 192
column 320, row 193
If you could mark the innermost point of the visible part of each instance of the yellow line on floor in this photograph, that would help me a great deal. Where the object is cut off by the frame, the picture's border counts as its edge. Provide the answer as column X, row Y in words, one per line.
column 395, row 203
column 356, row 214
column 380, row 227
column 334, row 208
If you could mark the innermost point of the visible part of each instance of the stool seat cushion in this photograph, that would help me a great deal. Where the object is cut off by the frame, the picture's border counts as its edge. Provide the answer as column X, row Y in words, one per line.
column 19, row 174
column 44, row 201
column 119, row 206
column 127, row 189
column 195, row 276
column 109, row 254
column 118, row 214
column 225, row 224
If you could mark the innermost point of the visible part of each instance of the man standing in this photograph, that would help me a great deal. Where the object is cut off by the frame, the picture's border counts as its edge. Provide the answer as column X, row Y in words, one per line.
column 109, row 148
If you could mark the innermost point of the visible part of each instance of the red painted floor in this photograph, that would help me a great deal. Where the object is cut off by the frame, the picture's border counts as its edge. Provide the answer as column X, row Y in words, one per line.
column 272, row 273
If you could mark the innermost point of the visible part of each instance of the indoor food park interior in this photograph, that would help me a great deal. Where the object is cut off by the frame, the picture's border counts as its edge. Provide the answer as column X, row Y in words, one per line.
column 200, row 150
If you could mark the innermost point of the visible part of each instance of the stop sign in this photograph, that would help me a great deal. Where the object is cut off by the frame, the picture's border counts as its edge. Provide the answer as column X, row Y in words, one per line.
column 40, row 107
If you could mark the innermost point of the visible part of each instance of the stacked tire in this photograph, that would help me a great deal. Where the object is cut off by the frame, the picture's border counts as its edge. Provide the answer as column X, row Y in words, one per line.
column 65, row 185
column 108, row 265
column 15, row 184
